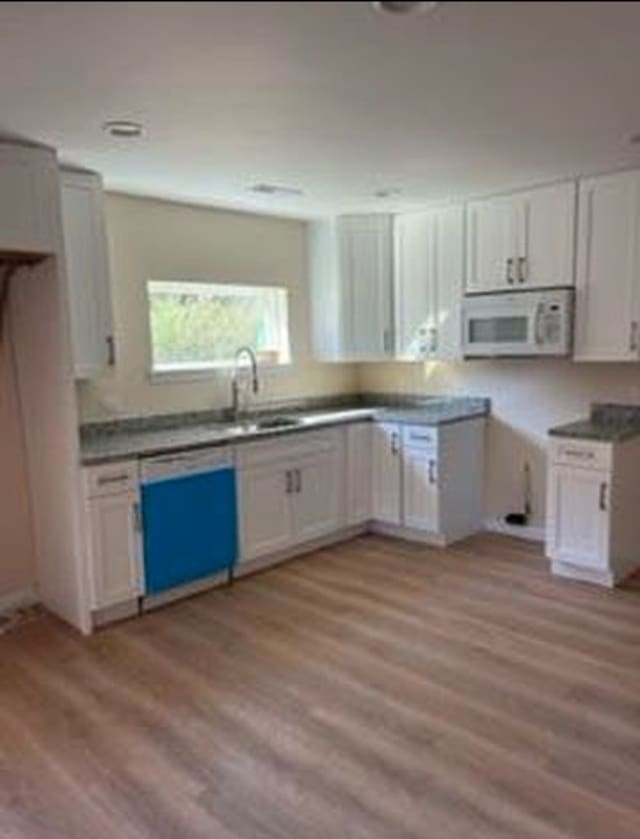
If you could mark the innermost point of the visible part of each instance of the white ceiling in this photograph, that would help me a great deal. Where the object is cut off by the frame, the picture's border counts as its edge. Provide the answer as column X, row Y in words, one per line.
column 332, row 97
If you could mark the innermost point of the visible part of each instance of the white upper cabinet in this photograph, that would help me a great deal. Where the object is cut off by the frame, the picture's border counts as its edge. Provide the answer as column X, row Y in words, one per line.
column 608, row 280
column 428, row 271
column 523, row 240
column 351, row 288
column 88, row 275
column 28, row 199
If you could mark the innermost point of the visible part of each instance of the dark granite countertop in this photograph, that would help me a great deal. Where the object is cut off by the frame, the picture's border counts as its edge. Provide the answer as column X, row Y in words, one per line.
column 144, row 437
column 607, row 423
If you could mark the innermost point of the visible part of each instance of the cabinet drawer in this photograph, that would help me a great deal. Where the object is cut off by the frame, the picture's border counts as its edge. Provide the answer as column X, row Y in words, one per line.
column 111, row 478
column 586, row 453
column 420, row 436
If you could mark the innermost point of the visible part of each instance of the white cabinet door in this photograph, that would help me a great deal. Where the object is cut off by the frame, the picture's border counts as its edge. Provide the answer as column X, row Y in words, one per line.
column 115, row 549
column 547, row 258
column 359, row 452
column 88, row 275
column 386, row 477
column 415, row 264
column 607, row 282
column 266, row 518
column 578, row 517
column 494, row 232
column 318, row 498
column 28, row 199
column 428, row 275
column 420, row 489
column 366, row 279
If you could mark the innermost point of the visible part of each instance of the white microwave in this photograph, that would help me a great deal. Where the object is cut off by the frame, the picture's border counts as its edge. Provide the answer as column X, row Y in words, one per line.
column 525, row 323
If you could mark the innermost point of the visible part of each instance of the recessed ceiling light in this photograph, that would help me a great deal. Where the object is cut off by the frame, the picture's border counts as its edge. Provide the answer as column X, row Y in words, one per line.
column 387, row 192
column 403, row 7
column 275, row 189
column 123, row 128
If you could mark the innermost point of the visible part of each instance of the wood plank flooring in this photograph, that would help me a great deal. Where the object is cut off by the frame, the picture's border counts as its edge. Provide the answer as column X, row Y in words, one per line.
column 374, row 690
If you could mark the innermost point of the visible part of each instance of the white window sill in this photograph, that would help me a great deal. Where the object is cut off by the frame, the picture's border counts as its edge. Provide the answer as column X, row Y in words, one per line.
column 224, row 371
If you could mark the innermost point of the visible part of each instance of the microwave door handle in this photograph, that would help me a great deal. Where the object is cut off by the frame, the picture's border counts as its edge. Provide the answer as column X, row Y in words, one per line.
column 538, row 323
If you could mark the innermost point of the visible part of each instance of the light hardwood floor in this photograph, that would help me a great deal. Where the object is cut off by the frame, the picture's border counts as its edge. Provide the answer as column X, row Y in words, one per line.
column 374, row 690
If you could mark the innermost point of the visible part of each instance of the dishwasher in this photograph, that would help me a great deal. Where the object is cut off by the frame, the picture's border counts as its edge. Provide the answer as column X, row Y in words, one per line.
column 189, row 517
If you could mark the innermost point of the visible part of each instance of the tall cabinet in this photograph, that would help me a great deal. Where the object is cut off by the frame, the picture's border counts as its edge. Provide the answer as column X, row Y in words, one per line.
column 428, row 276
column 88, row 278
column 608, row 278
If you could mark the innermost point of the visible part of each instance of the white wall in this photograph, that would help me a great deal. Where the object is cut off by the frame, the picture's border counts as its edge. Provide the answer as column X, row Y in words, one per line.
column 17, row 567
column 528, row 396
column 151, row 239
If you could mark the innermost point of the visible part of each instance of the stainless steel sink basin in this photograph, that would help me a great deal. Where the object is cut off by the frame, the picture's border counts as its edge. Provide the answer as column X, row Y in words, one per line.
column 276, row 422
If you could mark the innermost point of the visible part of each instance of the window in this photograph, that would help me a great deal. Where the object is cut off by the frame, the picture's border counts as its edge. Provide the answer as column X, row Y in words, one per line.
column 199, row 326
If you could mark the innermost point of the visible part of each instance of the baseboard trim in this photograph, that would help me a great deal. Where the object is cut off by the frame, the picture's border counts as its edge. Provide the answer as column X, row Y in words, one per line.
column 409, row 534
column 18, row 599
column 528, row 532
column 252, row 566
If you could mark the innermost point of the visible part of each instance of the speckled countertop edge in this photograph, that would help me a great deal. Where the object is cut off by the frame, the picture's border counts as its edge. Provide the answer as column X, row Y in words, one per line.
column 607, row 423
column 144, row 437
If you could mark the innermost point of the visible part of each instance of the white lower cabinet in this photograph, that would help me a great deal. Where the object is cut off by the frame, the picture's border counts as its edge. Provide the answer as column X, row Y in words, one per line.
column 593, row 529
column 359, row 494
column 266, row 515
column 420, row 489
column 578, row 516
column 290, row 492
column 386, row 474
column 115, row 567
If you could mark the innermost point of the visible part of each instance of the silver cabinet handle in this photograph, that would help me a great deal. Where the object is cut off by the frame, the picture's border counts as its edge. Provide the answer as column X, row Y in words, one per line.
column 633, row 336
column 105, row 480
column 395, row 443
column 289, row 482
column 539, row 324
column 111, row 350
column 509, row 271
column 298, row 475
column 137, row 517
column 602, row 501
column 432, row 471
column 522, row 269
column 434, row 339
column 584, row 455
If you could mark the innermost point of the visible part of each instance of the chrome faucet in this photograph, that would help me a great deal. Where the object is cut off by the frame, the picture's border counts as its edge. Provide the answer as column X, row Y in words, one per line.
column 235, row 388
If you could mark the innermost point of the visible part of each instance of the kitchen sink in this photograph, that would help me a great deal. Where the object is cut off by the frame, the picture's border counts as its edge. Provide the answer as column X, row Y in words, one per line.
column 276, row 422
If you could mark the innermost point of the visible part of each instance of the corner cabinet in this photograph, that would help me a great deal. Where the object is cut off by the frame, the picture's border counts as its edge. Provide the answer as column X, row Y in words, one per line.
column 428, row 481
column 429, row 265
column 88, row 276
column 608, row 279
column 522, row 240
column 350, row 259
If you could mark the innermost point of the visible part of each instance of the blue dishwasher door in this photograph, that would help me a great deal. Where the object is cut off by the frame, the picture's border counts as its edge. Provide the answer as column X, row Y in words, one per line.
column 189, row 527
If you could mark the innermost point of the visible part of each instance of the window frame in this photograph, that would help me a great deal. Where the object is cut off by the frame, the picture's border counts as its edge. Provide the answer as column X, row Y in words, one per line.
column 216, row 369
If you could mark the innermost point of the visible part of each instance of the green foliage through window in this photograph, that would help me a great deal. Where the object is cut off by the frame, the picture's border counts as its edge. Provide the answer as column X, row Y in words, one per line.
column 198, row 325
